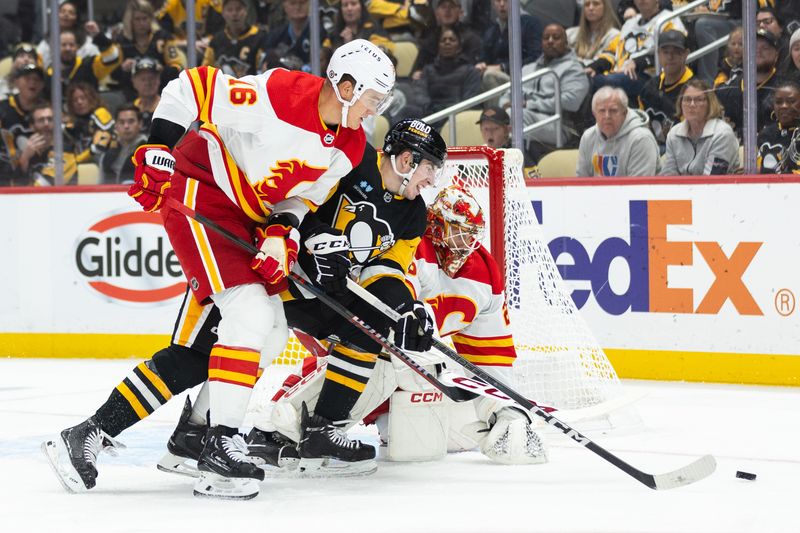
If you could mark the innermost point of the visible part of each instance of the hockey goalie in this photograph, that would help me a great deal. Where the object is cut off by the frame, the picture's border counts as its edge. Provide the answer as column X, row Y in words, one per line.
column 463, row 287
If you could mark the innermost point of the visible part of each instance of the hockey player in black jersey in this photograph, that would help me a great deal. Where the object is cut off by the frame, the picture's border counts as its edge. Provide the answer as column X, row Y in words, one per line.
column 378, row 206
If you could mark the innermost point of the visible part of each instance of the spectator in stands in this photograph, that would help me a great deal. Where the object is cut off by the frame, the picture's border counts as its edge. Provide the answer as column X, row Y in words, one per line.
column 146, row 73
column 24, row 54
column 448, row 14
column 450, row 79
column 238, row 48
column 702, row 143
column 659, row 94
column 353, row 21
column 495, row 127
column 90, row 69
column 493, row 63
column 719, row 21
column 289, row 46
column 620, row 143
column 68, row 20
column 141, row 37
column 15, row 126
column 117, row 164
column 793, row 70
column 767, row 19
column 731, row 64
column 539, row 95
column 779, row 142
column 37, row 159
column 597, row 27
column 731, row 95
column 208, row 15
column 403, row 20
column 89, row 123
column 628, row 61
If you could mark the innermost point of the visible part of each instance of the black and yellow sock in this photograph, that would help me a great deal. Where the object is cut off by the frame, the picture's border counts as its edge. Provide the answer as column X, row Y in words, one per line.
column 345, row 379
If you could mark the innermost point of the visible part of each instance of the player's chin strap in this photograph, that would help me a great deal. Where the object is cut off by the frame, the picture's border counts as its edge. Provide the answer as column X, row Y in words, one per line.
column 345, row 104
column 405, row 175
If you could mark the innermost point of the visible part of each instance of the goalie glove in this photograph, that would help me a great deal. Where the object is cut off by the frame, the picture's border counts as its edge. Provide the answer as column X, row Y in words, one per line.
column 414, row 329
column 151, row 178
column 277, row 244
column 330, row 251
column 511, row 439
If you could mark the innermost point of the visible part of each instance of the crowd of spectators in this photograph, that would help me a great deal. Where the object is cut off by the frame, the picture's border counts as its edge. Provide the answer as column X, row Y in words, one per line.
column 623, row 116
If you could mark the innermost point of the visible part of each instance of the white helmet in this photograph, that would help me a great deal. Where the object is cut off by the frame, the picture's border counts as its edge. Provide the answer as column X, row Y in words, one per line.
column 372, row 70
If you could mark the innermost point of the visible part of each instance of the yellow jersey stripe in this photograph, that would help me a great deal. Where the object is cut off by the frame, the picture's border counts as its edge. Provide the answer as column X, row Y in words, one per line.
column 202, row 240
column 507, row 342
column 199, row 90
column 239, row 355
column 490, row 359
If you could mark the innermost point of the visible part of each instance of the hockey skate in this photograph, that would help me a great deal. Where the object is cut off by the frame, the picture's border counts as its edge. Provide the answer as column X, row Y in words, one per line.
column 512, row 440
column 273, row 452
column 184, row 446
column 326, row 451
column 225, row 470
column 73, row 454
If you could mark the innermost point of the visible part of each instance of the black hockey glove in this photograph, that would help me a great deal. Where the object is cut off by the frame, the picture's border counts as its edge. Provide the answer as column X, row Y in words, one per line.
column 330, row 252
column 414, row 330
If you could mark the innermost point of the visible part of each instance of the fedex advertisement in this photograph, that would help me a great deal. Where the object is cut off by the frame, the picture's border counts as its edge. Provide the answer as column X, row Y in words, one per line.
column 697, row 267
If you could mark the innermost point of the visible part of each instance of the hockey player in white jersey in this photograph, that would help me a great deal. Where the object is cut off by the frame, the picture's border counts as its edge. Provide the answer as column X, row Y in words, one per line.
column 461, row 282
column 269, row 150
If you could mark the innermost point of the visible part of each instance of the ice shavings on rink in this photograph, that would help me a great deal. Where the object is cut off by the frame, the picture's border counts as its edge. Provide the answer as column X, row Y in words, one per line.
column 750, row 428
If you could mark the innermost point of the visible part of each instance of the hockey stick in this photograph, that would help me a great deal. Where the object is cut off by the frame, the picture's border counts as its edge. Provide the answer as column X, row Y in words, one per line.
column 695, row 471
column 455, row 393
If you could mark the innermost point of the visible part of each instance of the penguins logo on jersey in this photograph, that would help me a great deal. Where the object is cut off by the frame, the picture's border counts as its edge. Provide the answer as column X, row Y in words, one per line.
column 368, row 235
column 772, row 155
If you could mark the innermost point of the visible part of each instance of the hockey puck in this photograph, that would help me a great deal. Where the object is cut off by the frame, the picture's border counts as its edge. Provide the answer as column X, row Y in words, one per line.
column 745, row 475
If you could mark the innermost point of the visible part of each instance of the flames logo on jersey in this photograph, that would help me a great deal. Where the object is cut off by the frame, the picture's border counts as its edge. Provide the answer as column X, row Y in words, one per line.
column 369, row 235
column 286, row 175
column 445, row 305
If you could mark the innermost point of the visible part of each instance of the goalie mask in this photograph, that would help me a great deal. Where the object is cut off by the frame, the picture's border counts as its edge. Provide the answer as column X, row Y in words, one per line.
column 372, row 71
column 422, row 140
column 455, row 225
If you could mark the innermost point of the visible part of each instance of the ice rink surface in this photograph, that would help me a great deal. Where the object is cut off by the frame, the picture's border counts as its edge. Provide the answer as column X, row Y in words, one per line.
column 750, row 428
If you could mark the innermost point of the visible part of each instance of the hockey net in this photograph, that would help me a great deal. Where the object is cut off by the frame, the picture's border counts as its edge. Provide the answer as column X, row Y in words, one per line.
column 559, row 362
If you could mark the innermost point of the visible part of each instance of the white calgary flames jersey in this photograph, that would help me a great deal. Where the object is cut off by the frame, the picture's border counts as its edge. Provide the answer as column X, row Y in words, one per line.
column 266, row 140
column 470, row 306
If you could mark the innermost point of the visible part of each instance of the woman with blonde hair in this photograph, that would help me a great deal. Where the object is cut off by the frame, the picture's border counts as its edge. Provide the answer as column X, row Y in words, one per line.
column 596, row 29
column 141, row 36
column 89, row 123
column 702, row 143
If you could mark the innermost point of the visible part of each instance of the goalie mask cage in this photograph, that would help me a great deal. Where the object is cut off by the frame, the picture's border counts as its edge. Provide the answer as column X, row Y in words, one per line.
column 559, row 362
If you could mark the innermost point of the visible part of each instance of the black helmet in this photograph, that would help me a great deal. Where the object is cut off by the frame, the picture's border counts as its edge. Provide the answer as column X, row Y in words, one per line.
column 421, row 138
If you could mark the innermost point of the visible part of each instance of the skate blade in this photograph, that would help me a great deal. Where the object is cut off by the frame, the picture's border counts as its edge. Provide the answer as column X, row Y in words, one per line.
column 174, row 464
column 330, row 467
column 287, row 468
column 58, row 457
column 211, row 485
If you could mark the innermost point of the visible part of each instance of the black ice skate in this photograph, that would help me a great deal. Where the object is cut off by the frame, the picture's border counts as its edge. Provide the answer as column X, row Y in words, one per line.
column 225, row 470
column 326, row 451
column 272, row 450
column 73, row 454
column 184, row 445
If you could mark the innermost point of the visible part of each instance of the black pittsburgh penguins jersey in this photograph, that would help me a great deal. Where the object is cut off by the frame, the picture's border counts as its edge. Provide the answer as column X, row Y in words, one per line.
column 383, row 229
column 236, row 57
column 774, row 156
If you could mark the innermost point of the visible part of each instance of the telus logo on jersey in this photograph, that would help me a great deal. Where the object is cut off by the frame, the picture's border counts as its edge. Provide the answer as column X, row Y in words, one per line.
column 127, row 257
column 648, row 255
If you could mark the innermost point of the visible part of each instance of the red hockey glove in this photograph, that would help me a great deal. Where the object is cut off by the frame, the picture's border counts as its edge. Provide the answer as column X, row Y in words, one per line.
column 154, row 165
column 278, row 252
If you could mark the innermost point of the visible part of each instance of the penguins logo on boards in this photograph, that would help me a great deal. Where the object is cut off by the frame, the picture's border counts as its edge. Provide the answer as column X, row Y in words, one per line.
column 368, row 235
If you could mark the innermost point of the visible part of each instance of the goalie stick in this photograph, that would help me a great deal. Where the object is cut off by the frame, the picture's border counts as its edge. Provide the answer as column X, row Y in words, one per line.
column 695, row 471
column 455, row 393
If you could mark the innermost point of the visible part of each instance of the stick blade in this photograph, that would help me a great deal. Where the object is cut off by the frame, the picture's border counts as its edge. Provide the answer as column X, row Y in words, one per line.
column 699, row 469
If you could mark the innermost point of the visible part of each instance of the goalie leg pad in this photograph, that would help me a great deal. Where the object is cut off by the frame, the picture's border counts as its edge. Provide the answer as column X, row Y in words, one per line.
column 418, row 426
